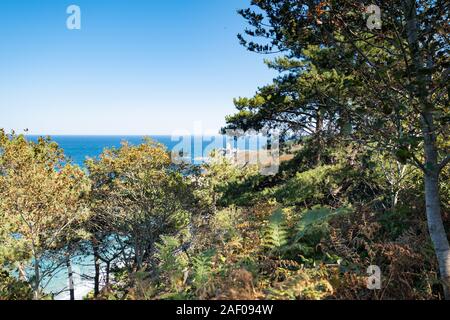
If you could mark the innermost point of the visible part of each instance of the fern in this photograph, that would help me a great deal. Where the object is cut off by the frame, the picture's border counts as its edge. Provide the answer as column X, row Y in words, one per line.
column 172, row 265
column 311, row 186
column 311, row 228
column 202, row 268
column 276, row 233
column 316, row 221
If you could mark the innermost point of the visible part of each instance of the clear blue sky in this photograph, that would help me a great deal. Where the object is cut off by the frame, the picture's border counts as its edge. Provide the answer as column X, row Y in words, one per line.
column 135, row 67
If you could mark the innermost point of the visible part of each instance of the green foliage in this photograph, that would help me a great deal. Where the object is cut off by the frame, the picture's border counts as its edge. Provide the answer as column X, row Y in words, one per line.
column 315, row 222
column 139, row 195
column 202, row 265
column 299, row 241
column 364, row 84
column 13, row 289
column 224, row 223
column 359, row 110
column 276, row 234
column 311, row 186
column 173, row 263
column 218, row 177
column 42, row 200
column 306, row 284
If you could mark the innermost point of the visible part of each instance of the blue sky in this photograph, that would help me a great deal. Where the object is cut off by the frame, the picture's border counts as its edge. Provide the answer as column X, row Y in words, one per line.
column 135, row 67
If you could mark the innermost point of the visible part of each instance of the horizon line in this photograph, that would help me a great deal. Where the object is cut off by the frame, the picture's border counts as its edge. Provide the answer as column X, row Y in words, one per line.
column 119, row 135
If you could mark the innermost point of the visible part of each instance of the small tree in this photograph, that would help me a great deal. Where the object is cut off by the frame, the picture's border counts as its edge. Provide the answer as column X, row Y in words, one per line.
column 140, row 195
column 40, row 196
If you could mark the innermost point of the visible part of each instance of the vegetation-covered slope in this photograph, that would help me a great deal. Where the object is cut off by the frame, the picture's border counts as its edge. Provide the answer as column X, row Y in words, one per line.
column 364, row 119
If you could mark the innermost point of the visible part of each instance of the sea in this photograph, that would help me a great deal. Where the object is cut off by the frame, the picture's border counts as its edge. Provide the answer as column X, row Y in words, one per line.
column 195, row 149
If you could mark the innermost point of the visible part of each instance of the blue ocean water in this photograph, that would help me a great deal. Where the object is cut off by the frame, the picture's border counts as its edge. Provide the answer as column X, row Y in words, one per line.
column 78, row 148
column 195, row 148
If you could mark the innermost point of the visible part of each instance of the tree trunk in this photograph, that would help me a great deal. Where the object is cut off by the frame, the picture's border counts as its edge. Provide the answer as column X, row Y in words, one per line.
column 139, row 261
column 437, row 231
column 431, row 168
column 433, row 204
column 344, row 123
column 108, row 264
column 22, row 273
column 318, row 133
column 70, row 277
column 37, row 279
column 97, row 269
